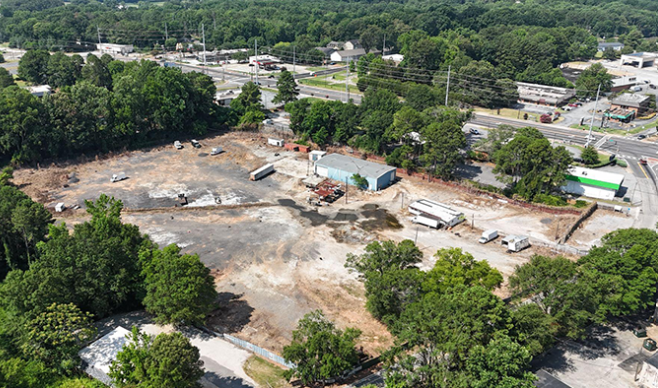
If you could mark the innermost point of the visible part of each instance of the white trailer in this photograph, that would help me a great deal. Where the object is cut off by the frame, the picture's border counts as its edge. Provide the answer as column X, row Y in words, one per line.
column 431, row 209
column 275, row 142
column 118, row 177
column 60, row 207
column 216, row 151
column 430, row 222
column 516, row 243
column 488, row 235
column 261, row 172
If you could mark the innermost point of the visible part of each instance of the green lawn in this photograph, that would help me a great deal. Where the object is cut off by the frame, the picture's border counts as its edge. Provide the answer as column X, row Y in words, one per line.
column 264, row 373
column 509, row 113
column 316, row 68
column 615, row 131
column 319, row 83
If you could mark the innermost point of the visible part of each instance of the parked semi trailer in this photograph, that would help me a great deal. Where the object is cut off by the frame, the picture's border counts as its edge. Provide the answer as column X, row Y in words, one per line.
column 261, row 172
column 431, row 222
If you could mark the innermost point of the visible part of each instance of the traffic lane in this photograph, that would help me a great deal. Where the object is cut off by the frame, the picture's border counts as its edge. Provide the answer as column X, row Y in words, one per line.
column 570, row 137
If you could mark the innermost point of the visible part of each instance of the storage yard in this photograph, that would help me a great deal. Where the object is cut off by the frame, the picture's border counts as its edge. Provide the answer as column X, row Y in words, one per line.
column 277, row 244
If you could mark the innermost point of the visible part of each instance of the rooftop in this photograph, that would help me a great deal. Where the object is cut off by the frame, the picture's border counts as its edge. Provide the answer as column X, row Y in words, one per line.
column 98, row 356
column 611, row 44
column 593, row 177
column 630, row 99
column 437, row 210
column 549, row 94
column 354, row 165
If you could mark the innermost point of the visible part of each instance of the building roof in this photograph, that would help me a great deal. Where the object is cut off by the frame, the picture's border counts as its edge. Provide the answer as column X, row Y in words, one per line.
column 437, row 210
column 351, row 53
column 642, row 55
column 394, row 57
column 630, row 99
column 98, row 356
column 326, row 50
column 547, row 380
column 40, row 89
column 354, row 165
column 603, row 46
column 624, row 81
column 588, row 176
column 548, row 94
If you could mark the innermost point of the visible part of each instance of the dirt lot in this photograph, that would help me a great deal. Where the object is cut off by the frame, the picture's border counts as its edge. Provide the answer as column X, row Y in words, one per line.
column 274, row 257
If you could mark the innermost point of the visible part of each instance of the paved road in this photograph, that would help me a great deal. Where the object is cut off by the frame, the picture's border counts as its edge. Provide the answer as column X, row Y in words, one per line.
column 629, row 149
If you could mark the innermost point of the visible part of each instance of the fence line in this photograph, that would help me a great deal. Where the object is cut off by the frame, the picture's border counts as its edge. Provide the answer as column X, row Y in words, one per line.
column 252, row 348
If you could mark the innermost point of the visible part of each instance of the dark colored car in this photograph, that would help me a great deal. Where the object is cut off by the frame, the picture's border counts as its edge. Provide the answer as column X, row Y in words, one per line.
column 640, row 137
column 643, row 162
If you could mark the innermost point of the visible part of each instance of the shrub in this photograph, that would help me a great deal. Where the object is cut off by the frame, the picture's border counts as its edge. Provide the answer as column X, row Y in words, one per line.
column 550, row 200
column 581, row 204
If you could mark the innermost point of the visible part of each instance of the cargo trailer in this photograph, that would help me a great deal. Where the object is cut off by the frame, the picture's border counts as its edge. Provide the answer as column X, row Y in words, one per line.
column 261, row 172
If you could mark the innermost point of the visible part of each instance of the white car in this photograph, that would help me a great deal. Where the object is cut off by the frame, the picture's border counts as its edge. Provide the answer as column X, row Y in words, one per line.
column 268, row 121
column 178, row 145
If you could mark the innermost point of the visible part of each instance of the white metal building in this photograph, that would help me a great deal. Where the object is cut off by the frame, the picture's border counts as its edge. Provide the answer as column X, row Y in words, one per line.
column 443, row 213
column 592, row 183
column 115, row 48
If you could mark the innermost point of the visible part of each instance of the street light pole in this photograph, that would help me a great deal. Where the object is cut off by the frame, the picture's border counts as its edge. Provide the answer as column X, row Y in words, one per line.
column 591, row 124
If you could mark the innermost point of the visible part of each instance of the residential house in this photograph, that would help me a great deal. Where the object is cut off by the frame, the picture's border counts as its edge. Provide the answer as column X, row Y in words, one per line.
column 352, row 45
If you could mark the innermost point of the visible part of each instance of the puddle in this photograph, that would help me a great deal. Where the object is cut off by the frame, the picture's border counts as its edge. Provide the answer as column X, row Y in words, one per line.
column 378, row 219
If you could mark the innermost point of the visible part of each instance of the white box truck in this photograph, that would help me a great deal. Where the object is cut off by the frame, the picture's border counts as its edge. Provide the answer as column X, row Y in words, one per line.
column 216, row 151
column 118, row 177
column 431, row 222
column 261, row 172
column 488, row 235
column 275, row 142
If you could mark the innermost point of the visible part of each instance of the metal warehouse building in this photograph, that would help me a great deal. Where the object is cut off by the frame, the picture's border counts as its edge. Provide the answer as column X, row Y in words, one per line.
column 341, row 168
column 592, row 183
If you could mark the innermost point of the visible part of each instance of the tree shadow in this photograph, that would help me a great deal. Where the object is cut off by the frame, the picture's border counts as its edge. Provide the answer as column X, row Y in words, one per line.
column 553, row 360
column 468, row 171
column 233, row 314
column 220, row 377
column 126, row 320
column 600, row 342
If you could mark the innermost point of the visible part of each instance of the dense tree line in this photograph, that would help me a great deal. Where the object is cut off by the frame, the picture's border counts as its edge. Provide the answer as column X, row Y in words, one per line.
column 414, row 133
column 57, row 282
column 100, row 105
column 451, row 331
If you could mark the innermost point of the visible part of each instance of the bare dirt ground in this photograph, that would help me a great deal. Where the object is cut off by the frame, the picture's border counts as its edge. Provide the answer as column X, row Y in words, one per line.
column 274, row 257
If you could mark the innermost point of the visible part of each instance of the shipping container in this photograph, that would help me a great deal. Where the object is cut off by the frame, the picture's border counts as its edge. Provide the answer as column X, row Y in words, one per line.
column 261, row 172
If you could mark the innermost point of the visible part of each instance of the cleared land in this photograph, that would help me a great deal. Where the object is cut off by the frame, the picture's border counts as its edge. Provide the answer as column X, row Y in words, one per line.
column 275, row 257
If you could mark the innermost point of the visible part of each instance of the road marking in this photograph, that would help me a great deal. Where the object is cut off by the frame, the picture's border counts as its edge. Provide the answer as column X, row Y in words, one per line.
column 601, row 141
column 644, row 172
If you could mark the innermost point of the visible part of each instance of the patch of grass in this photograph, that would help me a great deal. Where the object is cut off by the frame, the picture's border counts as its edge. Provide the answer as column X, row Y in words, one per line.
column 264, row 373
column 509, row 113
column 622, row 163
column 316, row 68
column 319, row 83
column 622, row 132
column 603, row 157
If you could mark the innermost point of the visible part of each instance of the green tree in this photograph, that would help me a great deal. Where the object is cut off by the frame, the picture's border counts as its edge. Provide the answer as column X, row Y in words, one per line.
column 6, row 79
column 590, row 155
column 179, row 288
column 319, row 350
column 56, row 335
column 247, row 105
column 167, row 361
column 2, row 58
column 530, row 165
column 444, row 141
column 455, row 267
column 287, row 87
column 360, row 181
column 610, row 54
column 62, row 70
column 501, row 363
column 97, row 72
column 33, row 66
column 533, row 328
column 590, row 79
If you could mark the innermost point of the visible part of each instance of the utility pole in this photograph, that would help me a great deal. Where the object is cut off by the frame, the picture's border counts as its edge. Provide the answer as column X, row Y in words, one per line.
column 591, row 124
column 346, row 187
column 293, row 60
column 384, row 46
column 256, row 52
column 98, row 30
column 203, row 33
column 166, row 33
column 448, row 85
column 347, row 84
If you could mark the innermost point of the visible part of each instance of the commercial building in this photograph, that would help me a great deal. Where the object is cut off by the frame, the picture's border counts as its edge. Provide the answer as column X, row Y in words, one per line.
column 342, row 168
column 592, row 183
column 347, row 55
column 623, row 83
column 544, row 95
column 446, row 215
column 638, row 60
column 613, row 45
column 98, row 356
column 107, row 48
column 639, row 103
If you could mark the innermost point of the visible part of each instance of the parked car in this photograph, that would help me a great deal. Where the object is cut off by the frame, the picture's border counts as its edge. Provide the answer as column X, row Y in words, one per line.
column 643, row 161
column 118, row 177
column 652, row 86
column 270, row 76
column 640, row 137
column 573, row 105
column 474, row 131
column 567, row 108
column 195, row 143
column 178, row 145
column 268, row 121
